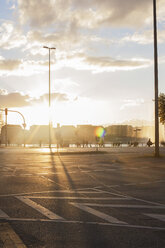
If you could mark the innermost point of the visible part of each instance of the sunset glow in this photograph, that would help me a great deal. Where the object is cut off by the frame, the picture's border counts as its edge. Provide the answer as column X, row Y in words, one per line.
column 101, row 71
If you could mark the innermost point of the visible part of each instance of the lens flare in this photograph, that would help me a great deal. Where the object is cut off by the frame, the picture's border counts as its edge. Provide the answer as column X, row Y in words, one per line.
column 100, row 132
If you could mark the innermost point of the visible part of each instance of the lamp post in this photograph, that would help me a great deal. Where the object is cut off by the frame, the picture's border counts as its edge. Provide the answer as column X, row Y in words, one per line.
column 156, row 81
column 49, row 48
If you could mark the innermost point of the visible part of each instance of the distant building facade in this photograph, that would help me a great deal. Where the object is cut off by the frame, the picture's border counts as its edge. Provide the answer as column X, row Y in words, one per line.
column 13, row 134
column 86, row 134
column 119, row 133
column 39, row 134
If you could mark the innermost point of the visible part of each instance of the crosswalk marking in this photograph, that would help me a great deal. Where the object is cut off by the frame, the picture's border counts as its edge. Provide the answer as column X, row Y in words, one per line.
column 97, row 213
column 9, row 238
column 80, row 198
column 87, row 205
column 3, row 214
column 49, row 214
column 157, row 216
column 122, row 206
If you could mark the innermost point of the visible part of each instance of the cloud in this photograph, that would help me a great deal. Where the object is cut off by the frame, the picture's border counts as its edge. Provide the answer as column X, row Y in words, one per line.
column 17, row 99
column 60, row 97
column 41, row 13
column 117, row 64
column 12, row 100
column 131, row 103
column 89, row 14
column 3, row 92
column 11, row 36
column 9, row 65
column 145, row 37
column 101, row 64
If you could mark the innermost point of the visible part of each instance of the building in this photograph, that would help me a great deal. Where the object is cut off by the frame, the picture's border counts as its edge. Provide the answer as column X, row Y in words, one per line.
column 13, row 134
column 67, row 135
column 39, row 134
column 119, row 133
column 86, row 134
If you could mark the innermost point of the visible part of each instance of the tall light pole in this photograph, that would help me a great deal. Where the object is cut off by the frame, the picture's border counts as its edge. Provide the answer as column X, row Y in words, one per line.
column 156, row 81
column 49, row 48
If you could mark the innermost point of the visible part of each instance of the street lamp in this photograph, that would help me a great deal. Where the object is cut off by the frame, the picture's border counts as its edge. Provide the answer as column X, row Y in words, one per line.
column 49, row 48
column 156, row 81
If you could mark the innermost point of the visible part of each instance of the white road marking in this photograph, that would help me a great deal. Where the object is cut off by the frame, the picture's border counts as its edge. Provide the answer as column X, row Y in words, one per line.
column 9, row 238
column 42, row 173
column 87, row 223
column 137, row 199
column 79, row 198
column 97, row 213
column 122, row 206
column 111, row 193
column 40, row 208
column 3, row 214
column 130, row 184
column 55, row 191
column 94, row 188
column 157, row 216
column 24, row 175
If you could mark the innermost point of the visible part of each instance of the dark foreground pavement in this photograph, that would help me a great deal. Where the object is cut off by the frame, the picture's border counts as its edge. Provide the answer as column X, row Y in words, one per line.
column 114, row 199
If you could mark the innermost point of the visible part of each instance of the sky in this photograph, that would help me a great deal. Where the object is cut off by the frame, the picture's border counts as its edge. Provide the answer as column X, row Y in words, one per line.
column 101, row 71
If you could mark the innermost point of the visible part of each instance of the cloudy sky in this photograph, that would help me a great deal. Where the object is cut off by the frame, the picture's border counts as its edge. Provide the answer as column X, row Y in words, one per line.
column 101, row 70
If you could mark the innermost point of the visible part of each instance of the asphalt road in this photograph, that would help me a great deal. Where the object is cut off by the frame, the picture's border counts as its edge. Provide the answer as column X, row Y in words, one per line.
column 111, row 199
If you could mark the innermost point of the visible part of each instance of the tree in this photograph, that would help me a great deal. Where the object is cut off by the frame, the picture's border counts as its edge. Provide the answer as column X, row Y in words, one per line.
column 162, row 108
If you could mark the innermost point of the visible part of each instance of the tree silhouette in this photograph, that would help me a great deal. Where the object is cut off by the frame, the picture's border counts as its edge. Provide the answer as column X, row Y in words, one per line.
column 162, row 108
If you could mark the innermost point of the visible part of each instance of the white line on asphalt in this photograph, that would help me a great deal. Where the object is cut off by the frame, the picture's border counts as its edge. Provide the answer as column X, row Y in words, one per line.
column 59, row 184
column 113, row 186
column 79, row 198
column 53, row 191
column 157, row 216
column 111, row 193
column 97, row 213
column 94, row 188
column 128, row 184
column 40, row 208
column 87, row 223
column 42, row 173
column 137, row 199
column 24, row 175
column 122, row 206
column 3, row 214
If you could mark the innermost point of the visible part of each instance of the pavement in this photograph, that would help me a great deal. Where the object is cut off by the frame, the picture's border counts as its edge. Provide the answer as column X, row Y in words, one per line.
column 80, row 198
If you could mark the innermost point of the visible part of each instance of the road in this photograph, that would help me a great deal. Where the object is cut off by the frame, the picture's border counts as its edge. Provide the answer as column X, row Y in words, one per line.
column 76, row 199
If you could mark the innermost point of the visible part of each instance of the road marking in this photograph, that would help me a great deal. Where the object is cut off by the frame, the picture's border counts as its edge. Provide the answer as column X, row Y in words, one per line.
column 97, row 213
column 9, row 237
column 87, row 223
column 122, row 206
column 111, row 193
column 42, row 173
column 137, row 199
column 55, row 191
column 3, row 214
column 79, row 198
column 127, row 184
column 157, row 216
column 40, row 208
column 24, row 175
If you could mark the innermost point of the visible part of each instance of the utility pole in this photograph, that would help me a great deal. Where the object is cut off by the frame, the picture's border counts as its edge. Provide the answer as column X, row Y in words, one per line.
column 50, row 124
column 156, row 81
column 6, row 138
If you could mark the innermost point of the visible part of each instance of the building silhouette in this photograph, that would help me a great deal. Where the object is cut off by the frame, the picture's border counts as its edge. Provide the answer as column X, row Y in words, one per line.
column 14, row 135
